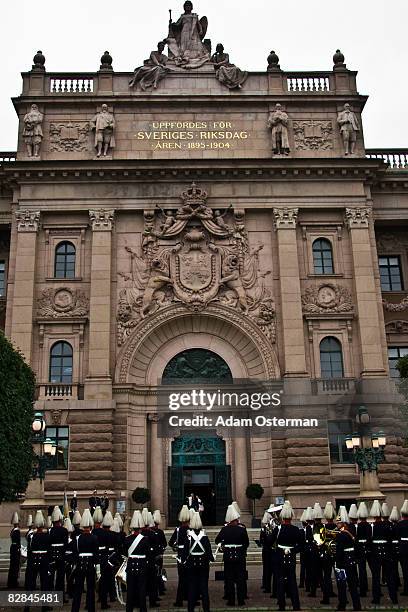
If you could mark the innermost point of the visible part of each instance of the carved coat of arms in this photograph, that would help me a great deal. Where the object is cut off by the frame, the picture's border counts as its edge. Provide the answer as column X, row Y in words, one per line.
column 194, row 255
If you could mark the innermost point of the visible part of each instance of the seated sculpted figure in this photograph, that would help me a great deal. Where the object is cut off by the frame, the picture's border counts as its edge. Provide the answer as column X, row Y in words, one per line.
column 228, row 74
column 153, row 70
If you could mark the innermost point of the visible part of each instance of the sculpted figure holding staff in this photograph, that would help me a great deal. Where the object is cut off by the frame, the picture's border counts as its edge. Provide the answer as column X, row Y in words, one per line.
column 185, row 38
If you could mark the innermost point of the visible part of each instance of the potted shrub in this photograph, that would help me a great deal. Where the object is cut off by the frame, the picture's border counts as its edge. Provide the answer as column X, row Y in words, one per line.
column 141, row 496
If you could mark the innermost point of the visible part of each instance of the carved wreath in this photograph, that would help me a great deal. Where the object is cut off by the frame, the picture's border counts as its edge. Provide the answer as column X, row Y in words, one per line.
column 63, row 303
column 400, row 307
column 327, row 298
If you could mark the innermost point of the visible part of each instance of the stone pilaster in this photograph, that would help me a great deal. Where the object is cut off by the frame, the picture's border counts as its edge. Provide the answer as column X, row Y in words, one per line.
column 28, row 223
column 241, row 479
column 366, row 293
column 292, row 320
column 98, row 383
column 156, row 465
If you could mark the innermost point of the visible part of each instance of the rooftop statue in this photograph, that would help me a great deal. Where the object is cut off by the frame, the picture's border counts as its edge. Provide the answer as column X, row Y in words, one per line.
column 228, row 74
column 185, row 39
column 153, row 70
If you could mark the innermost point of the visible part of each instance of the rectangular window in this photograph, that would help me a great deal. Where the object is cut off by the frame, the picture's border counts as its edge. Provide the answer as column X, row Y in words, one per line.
column 2, row 278
column 59, row 435
column 390, row 273
column 394, row 353
column 338, row 430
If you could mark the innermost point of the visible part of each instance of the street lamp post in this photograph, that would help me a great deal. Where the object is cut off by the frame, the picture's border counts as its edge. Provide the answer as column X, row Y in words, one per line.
column 368, row 451
column 46, row 447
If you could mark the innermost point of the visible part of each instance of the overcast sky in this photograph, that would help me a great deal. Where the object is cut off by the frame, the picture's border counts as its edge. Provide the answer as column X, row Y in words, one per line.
column 372, row 35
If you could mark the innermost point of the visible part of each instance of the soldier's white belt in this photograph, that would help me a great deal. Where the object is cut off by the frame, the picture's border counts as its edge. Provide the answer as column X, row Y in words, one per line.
column 348, row 549
column 196, row 553
column 362, row 541
column 102, row 547
column 285, row 547
column 232, row 545
column 57, row 544
column 395, row 541
column 404, row 539
column 180, row 546
column 137, row 556
column 40, row 552
column 86, row 554
column 380, row 541
column 110, row 548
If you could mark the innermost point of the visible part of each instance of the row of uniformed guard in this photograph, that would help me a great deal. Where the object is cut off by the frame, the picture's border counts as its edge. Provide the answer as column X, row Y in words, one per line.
column 97, row 549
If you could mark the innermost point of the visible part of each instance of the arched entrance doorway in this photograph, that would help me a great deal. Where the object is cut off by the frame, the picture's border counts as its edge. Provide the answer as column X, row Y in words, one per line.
column 198, row 462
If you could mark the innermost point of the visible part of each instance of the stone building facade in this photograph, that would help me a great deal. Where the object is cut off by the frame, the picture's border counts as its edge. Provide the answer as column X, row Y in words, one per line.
column 299, row 272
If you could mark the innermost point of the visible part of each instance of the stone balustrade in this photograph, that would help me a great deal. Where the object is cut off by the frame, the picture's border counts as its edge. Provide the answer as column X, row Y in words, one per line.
column 7, row 156
column 309, row 82
column 55, row 391
column 70, row 83
column 333, row 386
column 395, row 158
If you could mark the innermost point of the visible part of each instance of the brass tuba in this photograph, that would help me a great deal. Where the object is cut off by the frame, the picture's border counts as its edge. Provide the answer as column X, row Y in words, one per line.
column 326, row 539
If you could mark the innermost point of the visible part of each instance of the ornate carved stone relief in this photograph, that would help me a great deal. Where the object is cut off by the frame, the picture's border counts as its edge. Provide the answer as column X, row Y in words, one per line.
column 327, row 298
column 62, row 302
column 28, row 220
column 396, row 327
column 101, row 219
column 194, row 256
column 357, row 218
column 388, row 242
column 69, row 136
column 400, row 307
column 313, row 134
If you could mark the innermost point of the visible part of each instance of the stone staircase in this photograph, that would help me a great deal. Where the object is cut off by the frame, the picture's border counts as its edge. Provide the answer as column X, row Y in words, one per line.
column 253, row 556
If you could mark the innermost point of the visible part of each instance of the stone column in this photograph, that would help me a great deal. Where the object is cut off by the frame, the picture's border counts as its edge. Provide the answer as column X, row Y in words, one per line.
column 366, row 293
column 28, row 223
column 98, row 383
column 156, row 466
column 241, row 475
column 291, row 313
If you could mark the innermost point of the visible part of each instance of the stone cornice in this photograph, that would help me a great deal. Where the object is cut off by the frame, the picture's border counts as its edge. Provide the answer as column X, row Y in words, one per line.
column 263, row 169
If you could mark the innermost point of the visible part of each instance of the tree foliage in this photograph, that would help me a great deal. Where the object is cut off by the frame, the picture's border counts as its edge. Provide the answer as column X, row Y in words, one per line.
column 17, row 386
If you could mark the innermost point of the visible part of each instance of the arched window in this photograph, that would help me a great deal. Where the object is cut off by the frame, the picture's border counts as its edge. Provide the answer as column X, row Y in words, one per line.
column 331, row 358
column 322, row 256
column 61, row 363
column 196, row 365
column 64, row 260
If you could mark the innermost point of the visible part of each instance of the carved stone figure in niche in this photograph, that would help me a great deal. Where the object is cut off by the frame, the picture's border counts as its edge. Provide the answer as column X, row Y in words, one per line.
column 228, row 74
column 32, row 131
column 185, row 38
column 104, row 124
column 278, row 122
column 349, row 127
column 153, row 70
column 194, row 256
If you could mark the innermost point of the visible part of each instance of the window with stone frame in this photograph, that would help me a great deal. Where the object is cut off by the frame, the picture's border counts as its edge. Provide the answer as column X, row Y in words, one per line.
column 2, row 277
column 322, row 256
column 390, row 272
column 59, row 435
column 394, row 353
column 61, row 361
column 331, row 358
column 64, row 263
column 337, row 432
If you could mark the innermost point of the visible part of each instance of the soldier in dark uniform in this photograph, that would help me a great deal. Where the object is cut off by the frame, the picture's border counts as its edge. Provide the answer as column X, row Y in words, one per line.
column 234, row 542
column 316, row 577
column 87, row 565
column 69, row 557
column 309, row 545
column 152, row 567
column 326, row 555
column 59, row 542
column 302, row 557
column 15, row 553
column 105, row 502
column 289, row 541
column 161, row 546
column 380, row 555
column 107, row 581
column 177, row 542
column 346, row 564
column 196, row 558
column 266, row 553
column 363, row 547
column 137, row 549
column 103, row 549
column 394, row 518
column 73, row 504
column 38, row 558
column 402, row 535
column 353, row 519
column 28, row 537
